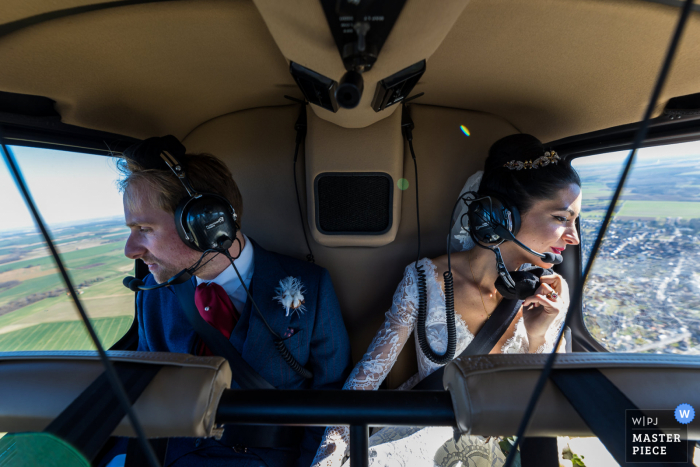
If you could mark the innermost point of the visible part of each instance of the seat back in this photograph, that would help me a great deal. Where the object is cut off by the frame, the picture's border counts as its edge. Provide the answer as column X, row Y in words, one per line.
column 490, row 392
column 35, row 387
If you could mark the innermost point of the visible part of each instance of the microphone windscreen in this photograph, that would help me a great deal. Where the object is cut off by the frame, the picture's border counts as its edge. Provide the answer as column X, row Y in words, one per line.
column 551, row 258
column 132, row 283
column 526, row 283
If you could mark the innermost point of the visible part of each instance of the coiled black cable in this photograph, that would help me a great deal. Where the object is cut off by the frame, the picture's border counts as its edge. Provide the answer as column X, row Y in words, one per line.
column 279, row 342
column 291, row 361
column 407, row 127
column 449, row 319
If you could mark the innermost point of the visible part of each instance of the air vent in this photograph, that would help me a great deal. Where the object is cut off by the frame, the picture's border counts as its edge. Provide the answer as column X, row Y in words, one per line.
column 354, row 203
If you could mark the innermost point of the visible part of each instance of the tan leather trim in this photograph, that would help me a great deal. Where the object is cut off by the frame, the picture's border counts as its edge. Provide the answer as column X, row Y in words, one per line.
column 36, row 387
column 490, row 392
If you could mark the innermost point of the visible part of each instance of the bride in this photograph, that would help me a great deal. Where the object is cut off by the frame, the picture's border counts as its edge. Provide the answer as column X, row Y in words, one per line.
column 547, row 194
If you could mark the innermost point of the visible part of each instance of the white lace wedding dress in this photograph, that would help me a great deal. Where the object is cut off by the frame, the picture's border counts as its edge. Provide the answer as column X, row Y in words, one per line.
column 415, row 446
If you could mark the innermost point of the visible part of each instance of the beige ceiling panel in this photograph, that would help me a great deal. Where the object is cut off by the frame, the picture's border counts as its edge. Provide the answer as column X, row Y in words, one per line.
column 149, row 69
column 303, row 35
column 557, row 68
column 554, row 68
column 14, row 10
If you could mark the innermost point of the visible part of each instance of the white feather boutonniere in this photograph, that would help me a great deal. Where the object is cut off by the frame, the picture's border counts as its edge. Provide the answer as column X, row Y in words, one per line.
column 290, row 295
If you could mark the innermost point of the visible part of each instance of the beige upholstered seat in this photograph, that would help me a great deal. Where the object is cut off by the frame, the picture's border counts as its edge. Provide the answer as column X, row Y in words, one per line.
column 490, row 392
column 181, row 400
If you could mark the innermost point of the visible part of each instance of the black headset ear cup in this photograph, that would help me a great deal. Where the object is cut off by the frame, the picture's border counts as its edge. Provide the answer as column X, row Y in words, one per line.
column 485, row 213
column 206, row 222
column 515, row 216
column 180, row 224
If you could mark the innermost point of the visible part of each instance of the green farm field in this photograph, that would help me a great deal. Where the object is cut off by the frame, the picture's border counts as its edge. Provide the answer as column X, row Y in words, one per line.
column 35, row 311
column 654, row 190
column 664, row 209
column 64, row 335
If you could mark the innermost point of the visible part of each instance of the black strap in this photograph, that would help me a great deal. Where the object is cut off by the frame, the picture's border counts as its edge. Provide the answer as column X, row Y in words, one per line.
column 135, row 456
column 263, row 436
column 494, row 328
column 90, row 419
column 539, row 452
column 242, row 372
column 602, row 406
column 487, row 337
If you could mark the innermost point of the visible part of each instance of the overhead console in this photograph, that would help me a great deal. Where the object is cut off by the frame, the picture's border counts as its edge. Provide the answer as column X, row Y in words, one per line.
column 355, row 59
column 359, row 30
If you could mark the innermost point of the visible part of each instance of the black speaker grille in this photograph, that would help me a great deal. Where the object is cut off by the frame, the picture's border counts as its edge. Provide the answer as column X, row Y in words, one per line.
column 354, row 203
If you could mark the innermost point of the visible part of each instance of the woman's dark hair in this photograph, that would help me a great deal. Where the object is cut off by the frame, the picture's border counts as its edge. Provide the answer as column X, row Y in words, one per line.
column 522, row 188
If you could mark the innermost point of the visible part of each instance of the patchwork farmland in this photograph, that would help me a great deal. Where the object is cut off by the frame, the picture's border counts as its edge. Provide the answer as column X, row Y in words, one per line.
column 35, row 311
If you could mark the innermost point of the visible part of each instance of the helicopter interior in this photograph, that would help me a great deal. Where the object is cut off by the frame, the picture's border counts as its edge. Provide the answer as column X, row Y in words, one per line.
column 75, row 74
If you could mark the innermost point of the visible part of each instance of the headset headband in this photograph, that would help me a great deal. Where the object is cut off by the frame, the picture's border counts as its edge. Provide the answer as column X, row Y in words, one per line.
column 179, row 172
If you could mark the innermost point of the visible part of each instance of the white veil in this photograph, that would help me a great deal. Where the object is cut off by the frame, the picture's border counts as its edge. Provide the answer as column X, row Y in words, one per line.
column 460, row 240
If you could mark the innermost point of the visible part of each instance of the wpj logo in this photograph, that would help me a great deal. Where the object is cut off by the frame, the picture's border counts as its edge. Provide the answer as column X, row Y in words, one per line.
column 657, row 435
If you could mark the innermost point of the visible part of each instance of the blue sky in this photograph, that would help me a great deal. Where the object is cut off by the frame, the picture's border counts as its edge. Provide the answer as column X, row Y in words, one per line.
column 644, row 155
column 66, row 187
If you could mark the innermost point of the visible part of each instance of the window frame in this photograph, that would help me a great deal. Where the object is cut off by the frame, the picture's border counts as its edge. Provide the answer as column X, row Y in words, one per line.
column 129, row 340
column 669, row 128
column 672, row 126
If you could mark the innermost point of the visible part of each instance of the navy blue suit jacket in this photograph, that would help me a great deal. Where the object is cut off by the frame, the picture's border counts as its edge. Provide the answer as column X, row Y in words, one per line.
column 320, row 343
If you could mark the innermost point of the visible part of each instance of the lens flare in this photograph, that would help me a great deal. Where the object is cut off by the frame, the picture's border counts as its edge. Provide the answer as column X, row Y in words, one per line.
column 402, row 184
column 465, row 130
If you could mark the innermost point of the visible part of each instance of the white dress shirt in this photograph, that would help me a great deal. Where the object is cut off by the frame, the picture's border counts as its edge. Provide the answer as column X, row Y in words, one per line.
column 228, row 279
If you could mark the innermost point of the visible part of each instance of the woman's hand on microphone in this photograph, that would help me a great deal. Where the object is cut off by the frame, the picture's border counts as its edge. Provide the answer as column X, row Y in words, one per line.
column 541, row 309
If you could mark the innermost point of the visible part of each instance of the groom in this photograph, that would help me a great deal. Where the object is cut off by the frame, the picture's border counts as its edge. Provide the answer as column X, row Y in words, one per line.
column 309, row 322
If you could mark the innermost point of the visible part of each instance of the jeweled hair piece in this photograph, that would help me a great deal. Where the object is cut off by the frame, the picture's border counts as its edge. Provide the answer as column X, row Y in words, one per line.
column 550, row 157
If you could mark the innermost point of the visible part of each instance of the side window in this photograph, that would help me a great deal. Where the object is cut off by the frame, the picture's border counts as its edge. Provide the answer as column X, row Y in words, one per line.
column 79, row 201
column 643, row 294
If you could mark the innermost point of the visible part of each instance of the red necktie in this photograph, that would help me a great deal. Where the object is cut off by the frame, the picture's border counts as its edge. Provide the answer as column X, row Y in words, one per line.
column 216, row 309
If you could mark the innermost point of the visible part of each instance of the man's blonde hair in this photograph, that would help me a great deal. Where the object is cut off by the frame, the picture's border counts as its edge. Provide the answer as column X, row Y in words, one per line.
column 206, row 174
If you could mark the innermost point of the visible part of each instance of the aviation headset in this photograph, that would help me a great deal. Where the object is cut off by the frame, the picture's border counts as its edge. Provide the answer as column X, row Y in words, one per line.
column 492, row 221
column 204, row 221
column 488, row 216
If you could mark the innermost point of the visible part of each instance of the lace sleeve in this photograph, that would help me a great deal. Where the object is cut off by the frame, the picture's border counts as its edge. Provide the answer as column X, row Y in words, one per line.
column 376, row 363
column 519, row 342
